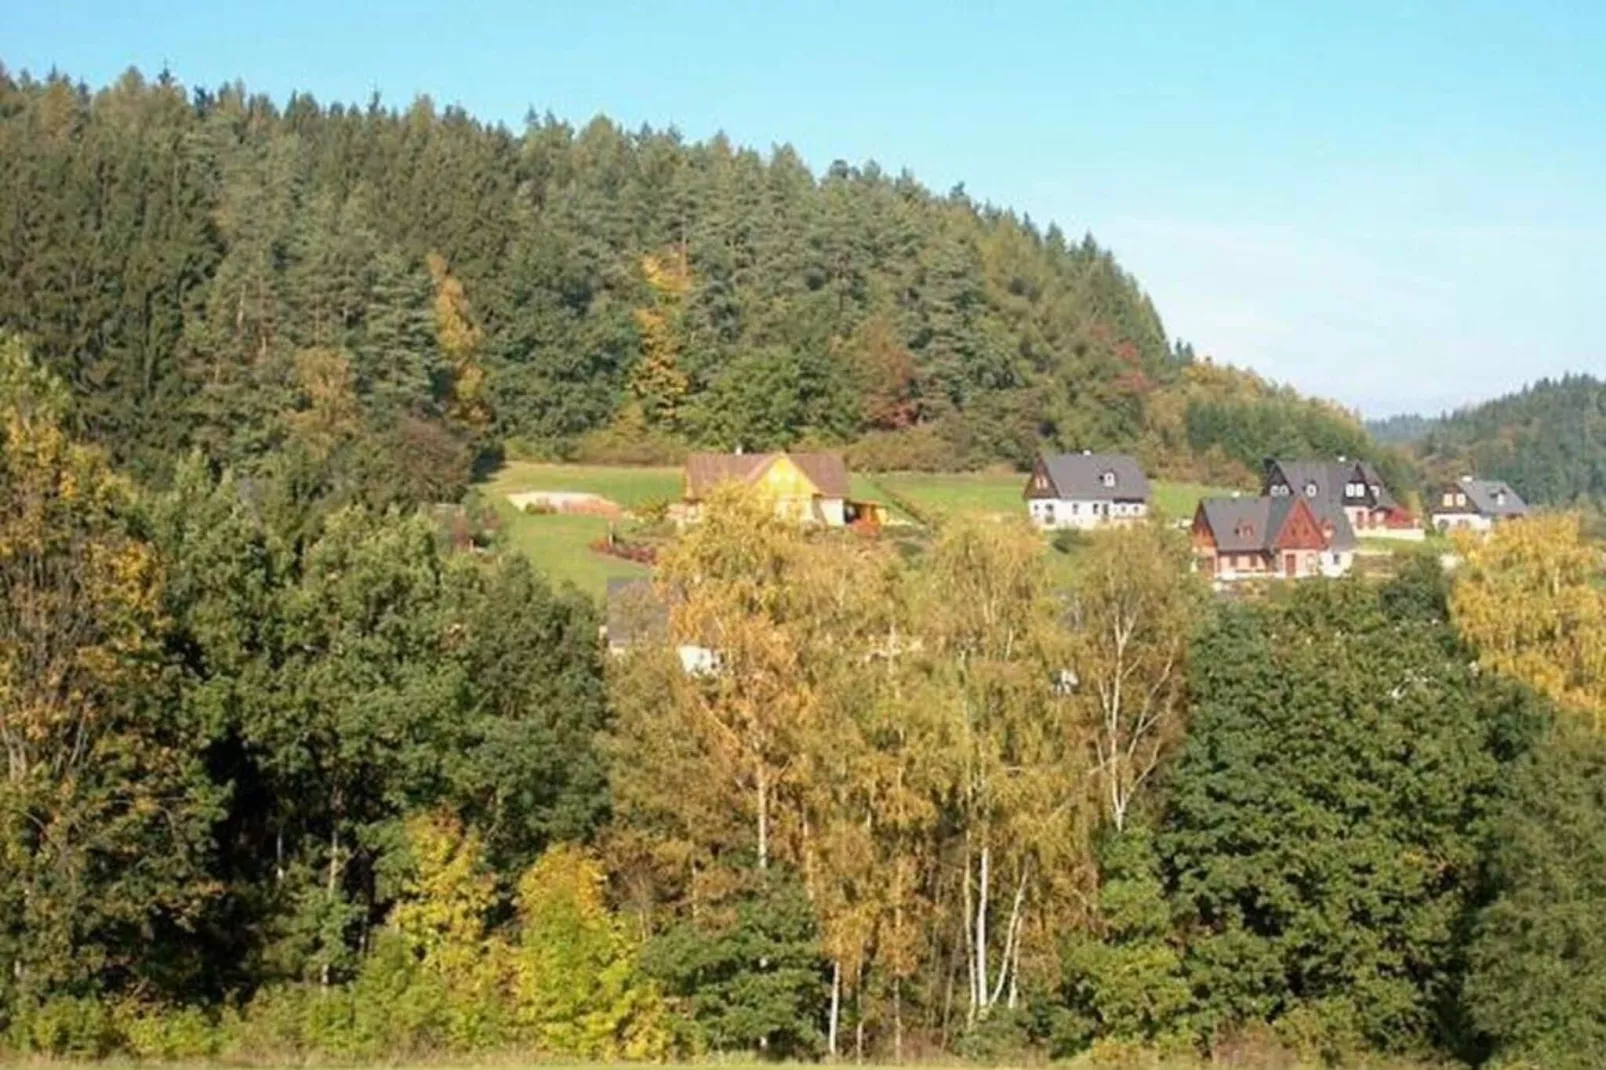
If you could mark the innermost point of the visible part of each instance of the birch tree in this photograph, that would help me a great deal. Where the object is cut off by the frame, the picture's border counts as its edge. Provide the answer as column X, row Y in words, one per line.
column 1128, row 620
column 1529, row 598
column 994, row 644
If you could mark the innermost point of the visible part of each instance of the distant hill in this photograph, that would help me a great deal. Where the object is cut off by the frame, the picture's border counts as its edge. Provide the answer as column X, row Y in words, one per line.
column 1402, row 429
column 400, row 294
column 1548, row 440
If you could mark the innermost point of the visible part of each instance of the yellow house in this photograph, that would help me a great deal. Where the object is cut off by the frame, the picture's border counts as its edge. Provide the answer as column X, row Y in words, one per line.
column 807, row 487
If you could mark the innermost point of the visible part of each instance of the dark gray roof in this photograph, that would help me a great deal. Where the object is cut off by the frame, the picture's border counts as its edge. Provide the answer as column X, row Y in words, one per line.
column 635, row 612
column 1331, row 516
column 1243, row 525
column 1330, row 478
column 1492, row 497
column 1247, row 525
column 1080, row 476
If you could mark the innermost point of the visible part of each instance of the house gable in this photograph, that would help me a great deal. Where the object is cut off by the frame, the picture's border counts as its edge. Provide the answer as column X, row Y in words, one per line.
column 782, row 479
column 1204, row 536
column 1040, row 484
column 1300, row 530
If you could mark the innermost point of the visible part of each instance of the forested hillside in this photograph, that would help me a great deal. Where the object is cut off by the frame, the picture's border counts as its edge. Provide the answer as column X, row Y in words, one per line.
column 1547, row 440
column 380, row 300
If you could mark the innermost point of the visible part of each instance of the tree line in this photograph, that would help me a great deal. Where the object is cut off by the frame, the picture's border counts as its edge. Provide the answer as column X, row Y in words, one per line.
column 295, row 777
column 393, row 298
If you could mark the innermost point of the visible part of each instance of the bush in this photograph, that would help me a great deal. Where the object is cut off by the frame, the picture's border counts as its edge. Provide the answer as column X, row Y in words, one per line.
column 923, row 448
column 65, row 1026
column 628, row 440
column 148, row 1031
column 734, row 1003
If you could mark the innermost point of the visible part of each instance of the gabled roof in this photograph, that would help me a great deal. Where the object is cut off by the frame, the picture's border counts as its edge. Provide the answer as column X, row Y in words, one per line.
column 1492, row 497
column 1080, row 476
column 1330, row 478
column 1245, row 525
column 705, row 471
column 1251, row 525
column 1335, row 522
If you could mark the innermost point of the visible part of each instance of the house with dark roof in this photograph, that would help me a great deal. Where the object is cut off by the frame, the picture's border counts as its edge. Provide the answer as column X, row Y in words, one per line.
column 1086, row 490
column 1476, row 505
column 1348, row 486
column 1283, row 536
column 637, row 616
column 807, row 487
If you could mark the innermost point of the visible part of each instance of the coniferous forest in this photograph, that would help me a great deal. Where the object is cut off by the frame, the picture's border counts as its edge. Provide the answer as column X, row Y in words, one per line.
column 1548, row 439
column 292, row 773
column 207, row 271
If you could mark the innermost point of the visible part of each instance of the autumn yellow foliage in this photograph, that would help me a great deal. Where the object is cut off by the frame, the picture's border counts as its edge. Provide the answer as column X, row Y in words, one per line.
column 1531, row 598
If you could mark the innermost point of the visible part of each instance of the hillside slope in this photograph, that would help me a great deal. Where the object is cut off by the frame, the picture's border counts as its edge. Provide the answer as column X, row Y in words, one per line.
column 389, row 295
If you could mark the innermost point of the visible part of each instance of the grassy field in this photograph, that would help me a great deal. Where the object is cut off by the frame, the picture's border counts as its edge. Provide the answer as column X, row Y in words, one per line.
column 561, row 544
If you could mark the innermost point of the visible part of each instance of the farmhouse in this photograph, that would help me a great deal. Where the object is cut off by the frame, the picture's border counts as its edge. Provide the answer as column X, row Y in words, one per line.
column 1086, row 490
column 811, row 488
column 1271, row 537
column 1476, row 505
column 1351, row 487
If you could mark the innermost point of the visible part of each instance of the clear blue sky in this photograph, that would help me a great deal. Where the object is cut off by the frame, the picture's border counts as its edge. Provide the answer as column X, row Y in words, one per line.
column 1398, row 205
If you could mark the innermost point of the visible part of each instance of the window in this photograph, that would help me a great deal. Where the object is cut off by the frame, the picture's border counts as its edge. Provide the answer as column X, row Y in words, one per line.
column 1279, row 490
column 1500, row 497
column 1042, row 481
column 1377, row 491
column 1076, row 507
column 1310, row 490
column 1449, row 499
column 1108, row 479
column 1460, row 499
column 1048, row 512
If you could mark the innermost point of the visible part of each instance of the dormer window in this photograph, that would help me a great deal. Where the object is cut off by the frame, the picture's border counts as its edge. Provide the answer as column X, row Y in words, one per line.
column 1377, row 491
column 1108, row 479
column 1245, row 530
column 1500, row 497
column 1280, row 490
column 1310, row 490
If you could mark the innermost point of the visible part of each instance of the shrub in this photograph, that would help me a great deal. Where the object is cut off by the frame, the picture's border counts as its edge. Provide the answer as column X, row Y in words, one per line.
column 923, row 448
column 69, row 1026
column 148, row 1031
column 575, row 985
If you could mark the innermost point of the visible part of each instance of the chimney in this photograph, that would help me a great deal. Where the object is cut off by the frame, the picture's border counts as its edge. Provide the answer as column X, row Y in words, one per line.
column 738, row 449
column 1237, row 494
column 1342, row 458
column 1087, row 453
column 1466, row 479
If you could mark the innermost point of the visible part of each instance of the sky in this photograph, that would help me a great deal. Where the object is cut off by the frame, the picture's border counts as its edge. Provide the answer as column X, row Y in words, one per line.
column 1401, row 206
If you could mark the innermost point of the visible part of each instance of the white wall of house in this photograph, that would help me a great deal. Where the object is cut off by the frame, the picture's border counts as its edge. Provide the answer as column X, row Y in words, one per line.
column 1411, row 534
column 833, row 512
column 1235, row 568
column 1335, row 563
column 1461, row 522
column 1056, row 513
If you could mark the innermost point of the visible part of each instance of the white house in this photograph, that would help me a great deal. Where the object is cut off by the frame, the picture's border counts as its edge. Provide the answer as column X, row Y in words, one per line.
column 1476, row 505
column 1086, row 490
